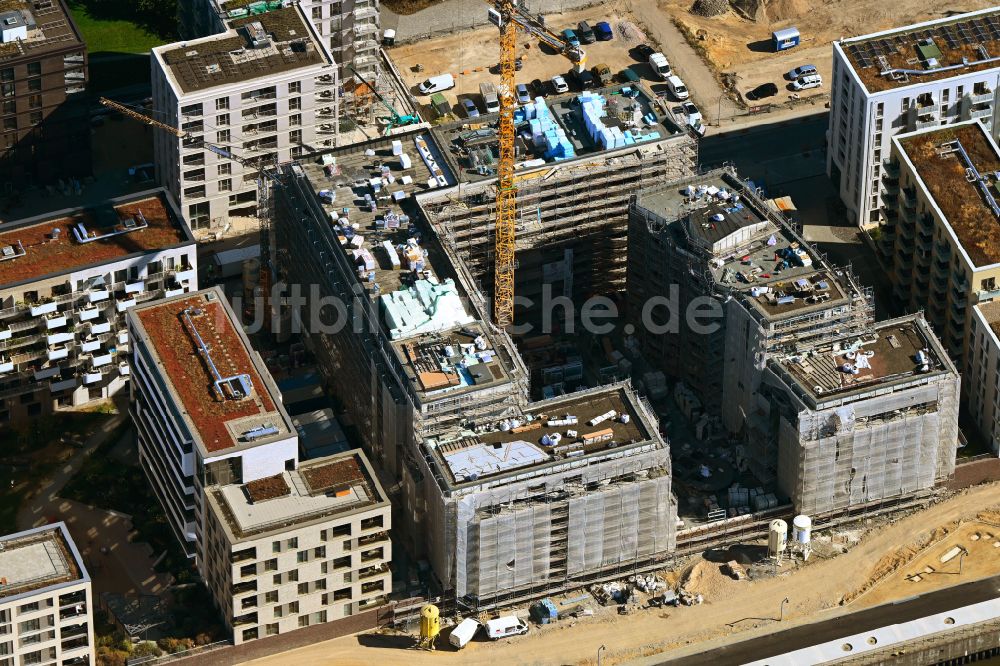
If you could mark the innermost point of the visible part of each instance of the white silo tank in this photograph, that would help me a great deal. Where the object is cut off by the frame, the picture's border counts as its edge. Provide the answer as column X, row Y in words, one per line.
column 777, row 538
column 802, row 530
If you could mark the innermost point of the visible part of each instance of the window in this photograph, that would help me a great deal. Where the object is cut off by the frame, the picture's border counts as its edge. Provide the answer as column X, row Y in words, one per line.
column 295, row 119
column 198, row 216
column 295, row 136
column 35, row 117
column 191, row 110
column 271, row 565
column 10, row 123
column 225, row 169
column 303, row 588
column 225, row 185
column 34, row 69
column 342, row 595
column 317, row 12
column 276, row 579
column 7, row 74
column 222, row 136
column 279, row 611
column 302, row 556
column 248, row 570
column 293, row 576
column 7, row 89
column 297, row 152
column 294, row 104
column 194, row 192
column 30, row 625
column 250, row 634
column 28, row 608
column 369, row 523
column 222, row 119
column 10, row 107
column 304, row 621
column 342, row 562
column 272, row 629
column 275, row 545
column 319, row 551
column 295, row 87
column 222, row 103
column 271, row 597
column 293, row 607
column 293, row 542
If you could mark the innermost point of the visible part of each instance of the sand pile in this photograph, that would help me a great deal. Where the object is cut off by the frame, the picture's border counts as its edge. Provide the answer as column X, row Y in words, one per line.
column 770, row 11
column 710, row 7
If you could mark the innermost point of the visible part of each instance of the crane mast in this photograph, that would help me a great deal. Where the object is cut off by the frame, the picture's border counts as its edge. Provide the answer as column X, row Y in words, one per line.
column 503, row 280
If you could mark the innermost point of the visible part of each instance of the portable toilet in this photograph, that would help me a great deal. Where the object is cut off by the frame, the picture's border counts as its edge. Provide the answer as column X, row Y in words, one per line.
column 785, row 39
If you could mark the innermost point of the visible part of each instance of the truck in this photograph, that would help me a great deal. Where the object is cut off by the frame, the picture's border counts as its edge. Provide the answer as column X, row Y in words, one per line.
column 603, row 73
column 660, row 65
column 491, row 98
column 463, row 633
column 440, row 105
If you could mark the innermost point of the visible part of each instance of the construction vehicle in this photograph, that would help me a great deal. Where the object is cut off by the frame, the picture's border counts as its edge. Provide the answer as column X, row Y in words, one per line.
column 508, row 17
column 396, row 119
column 264, row 181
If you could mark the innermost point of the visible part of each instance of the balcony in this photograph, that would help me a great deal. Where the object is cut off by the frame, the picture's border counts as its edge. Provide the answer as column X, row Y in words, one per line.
column 243, row 588
column 122, row 337
column 101, row 359
column 47, row 371
column 891, row 168
column 925, row 121
column 124, row 304
column 43, row 308
column 135, row 287
column 123, row 369
column 62, row 384
column 99, row 295
column 99, row 327
column 87, row 313
column 6, row 365
column 56, row 338
column 980, row 111
column 5, row 332
column 909, row 197
column 55, row 320
column 92, row 376
column 57, row 353
column 987, row 295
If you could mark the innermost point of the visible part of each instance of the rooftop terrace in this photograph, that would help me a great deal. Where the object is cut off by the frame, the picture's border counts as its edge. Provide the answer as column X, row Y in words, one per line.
column 560, row 117
column 36, row 559
column 49, row 27
column 926, row 51
column 318, row 489
column 208, row 364
column 965, row 203
column 562, row 428
column 991, row 313
column 900, row 350
column 257, row 46
column 32, row 250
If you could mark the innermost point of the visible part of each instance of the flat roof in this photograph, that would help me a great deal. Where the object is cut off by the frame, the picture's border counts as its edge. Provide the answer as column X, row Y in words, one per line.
column 113, row 230
column 469, row 456
column 474, row 149
column 318, row 489
column 749, row 249
column 243, row 409
column 50, row 30
column 38, row 558
column 963, row 202
column 899, row 350
column 991, row 313
column 927, row 51
column 286, row 43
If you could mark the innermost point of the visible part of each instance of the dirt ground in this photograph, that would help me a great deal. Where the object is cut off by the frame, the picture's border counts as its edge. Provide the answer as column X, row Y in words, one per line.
column 745, row 608
column 732, row 43
column 470, row 55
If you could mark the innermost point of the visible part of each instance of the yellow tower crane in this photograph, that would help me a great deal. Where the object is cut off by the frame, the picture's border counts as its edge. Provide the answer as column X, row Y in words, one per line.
column 507, row 16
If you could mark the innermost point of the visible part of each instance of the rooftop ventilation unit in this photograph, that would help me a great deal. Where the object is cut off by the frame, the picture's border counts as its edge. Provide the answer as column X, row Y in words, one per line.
column 236, row 387
column 265, row 430
column 256, row 35
column 8, row 252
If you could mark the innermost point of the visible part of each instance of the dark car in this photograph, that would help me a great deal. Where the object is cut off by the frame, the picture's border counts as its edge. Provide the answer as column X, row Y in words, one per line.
column 762, row 91
column 604, row 32
column 643, row 51
column 628, row 75
column 584, row 80
column 585, row 34
column 539, row 87
column 470, row 108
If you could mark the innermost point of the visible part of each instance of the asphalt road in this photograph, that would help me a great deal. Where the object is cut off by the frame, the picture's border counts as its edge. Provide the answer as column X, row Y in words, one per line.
column 782, row 141
column 802, row 636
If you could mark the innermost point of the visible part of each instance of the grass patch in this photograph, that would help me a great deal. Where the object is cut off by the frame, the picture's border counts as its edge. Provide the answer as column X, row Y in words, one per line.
column 104, row 33
column 109, row 484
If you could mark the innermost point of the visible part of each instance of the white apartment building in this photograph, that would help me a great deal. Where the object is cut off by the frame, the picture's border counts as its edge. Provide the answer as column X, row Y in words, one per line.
column 206, row 409
column 349, row 28
column 299, row 548
column 46, row 614
column 983, row 377
column 902, row 80
column 263, row 92
column 66, row 280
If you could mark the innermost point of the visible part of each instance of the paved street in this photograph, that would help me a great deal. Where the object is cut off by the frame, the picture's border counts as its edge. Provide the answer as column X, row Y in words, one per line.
column 846, row 625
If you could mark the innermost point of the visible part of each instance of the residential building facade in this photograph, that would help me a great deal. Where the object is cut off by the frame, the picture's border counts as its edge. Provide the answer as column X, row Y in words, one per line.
column 46, row 601
column 261, row 93
column 43, row 71
column 66, row 281
column 879, row 89
column 982, row 377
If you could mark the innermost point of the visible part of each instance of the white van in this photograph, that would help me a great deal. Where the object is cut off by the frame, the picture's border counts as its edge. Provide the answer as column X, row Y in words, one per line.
column 463, row 633
column 437, row 84
column 807, row 82
column 677, row 87
column 491, row 98
column 511, row 625
column 660, row 65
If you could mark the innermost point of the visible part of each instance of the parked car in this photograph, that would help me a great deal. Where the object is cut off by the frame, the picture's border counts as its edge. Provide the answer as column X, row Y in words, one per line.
column 800, row 71
column 538, row 86
column 603, row 32
column 585, row 34
column 660, row 65
column 518, row 65
column 510, row 625
column 570, row 37
column 677, row 87
column 691, row 116
column 603, row 73
column 689, row 110
column 585, row 80
column 628, row 75
column 808, row 81
column 471, row 111
column 437, row 84
column 643, row 51
column 523, row 96
column 559, row 84
column 762, row 91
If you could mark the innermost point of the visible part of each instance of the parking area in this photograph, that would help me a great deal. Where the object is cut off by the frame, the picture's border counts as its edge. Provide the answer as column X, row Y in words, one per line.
column 472, row 57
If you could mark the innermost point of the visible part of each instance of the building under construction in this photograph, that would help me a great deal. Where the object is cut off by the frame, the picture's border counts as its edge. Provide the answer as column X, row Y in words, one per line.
column 717, row 282
column 572, row 489
column 863, row 418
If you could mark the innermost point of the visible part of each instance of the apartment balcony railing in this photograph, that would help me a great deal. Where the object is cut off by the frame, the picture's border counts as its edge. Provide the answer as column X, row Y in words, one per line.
column 981, row 97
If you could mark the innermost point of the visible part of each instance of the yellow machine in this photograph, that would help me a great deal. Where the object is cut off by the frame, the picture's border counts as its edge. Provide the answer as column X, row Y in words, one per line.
column 508, row 17
column 430, row 626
